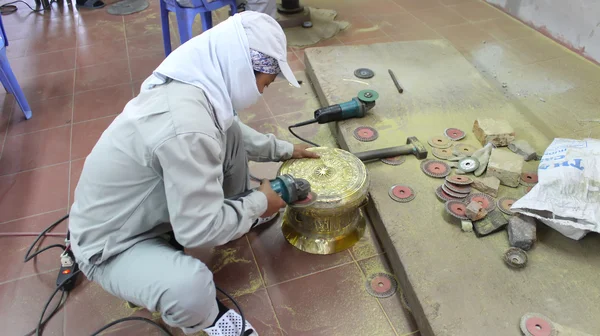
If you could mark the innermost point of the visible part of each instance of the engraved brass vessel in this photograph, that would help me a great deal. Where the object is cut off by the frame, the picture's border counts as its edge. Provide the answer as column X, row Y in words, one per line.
column 334, row 220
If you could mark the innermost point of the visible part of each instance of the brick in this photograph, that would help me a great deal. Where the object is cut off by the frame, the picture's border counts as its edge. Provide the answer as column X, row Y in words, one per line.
column 524, row 149
column 498, row 132
column 522, row 232
column 488, row 185
column 475, row 211
column 506, row 166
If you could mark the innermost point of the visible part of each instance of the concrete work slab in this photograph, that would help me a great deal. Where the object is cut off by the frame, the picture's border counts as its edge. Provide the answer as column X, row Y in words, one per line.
column 455, row 283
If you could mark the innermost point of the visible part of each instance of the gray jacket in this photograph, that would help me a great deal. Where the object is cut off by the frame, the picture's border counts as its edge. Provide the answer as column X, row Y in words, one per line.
column 160, row 162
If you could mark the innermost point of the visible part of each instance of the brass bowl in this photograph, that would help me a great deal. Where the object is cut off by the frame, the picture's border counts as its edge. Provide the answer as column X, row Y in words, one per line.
column 334, row 221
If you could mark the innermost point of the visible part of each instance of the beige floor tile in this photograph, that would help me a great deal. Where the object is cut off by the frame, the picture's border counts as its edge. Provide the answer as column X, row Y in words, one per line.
column 505, row 28
column 573, row 67
column 415, row 5
column 439, row 17
column 537, row 48
column 465, row 36
column 478, row 11
column 400, row 24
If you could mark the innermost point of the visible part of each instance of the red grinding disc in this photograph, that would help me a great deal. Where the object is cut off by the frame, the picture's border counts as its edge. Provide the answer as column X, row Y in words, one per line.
column 454, row 133
column 457, row 209
column 435, row 168
column 308, row 200
column 381, row 284
column 365, row 133
column 538, row 327
column 530, row 178
column 401, row 193
column 442, row 195
column 459, row 179
column 458, row 188
column 394, row 161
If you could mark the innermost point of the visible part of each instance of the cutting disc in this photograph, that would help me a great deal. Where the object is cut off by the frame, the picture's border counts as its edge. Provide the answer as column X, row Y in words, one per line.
column 458, row 188
column 504, row 205
column 381, row 285
column 454, row 134
column 368, row 96
column 364, row 73
column 439, row 142
column 435, row 168
column 365, row 133
column 394, row 161
column 452, row 193
column 486, row 201
column 443, row 196
column 457, row 209
column 401, row 193
column 529, row 179
column 468, row 165
column 459, row 179
column 533, row 324
column 442, row 153
column 515, row 257
column 464, row 150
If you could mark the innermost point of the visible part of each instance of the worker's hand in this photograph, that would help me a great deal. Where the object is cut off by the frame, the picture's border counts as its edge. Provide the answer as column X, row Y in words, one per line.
column 301, row 152
column 274, row 201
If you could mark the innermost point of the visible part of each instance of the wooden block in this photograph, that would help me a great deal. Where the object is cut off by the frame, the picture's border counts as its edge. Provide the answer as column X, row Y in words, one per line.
column 506, row 166
column 498, row 132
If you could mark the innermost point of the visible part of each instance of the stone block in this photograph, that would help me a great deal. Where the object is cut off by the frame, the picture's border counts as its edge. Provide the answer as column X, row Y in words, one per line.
column 522, row 232
column 506, row 166
column 466, row 226
column 524, row 149
column 498, row 132
column 475, row 211
column 488, row 185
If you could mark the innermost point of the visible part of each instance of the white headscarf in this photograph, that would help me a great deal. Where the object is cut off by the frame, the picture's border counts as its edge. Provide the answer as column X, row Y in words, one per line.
column 218, row 62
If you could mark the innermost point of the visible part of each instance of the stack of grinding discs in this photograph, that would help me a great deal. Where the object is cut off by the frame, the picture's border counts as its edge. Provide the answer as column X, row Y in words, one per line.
column 455, row 188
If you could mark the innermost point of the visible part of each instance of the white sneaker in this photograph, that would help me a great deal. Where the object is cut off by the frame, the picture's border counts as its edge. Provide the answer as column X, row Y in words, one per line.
column 230, row 324
column 264, row 220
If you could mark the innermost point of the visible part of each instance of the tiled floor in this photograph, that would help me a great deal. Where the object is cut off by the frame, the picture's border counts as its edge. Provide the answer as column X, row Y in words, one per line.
column 78, row 69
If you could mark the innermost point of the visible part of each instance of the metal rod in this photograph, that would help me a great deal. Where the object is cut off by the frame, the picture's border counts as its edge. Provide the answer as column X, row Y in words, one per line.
column 400, row 89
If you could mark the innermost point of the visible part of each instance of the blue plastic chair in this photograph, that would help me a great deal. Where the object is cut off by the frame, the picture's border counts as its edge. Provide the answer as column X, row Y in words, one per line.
column 7, row 77
column 185, row 17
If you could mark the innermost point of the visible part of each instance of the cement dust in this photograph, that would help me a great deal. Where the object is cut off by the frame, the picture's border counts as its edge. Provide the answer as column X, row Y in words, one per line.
column 324, row 27
column 226, row 257
column 255, row 284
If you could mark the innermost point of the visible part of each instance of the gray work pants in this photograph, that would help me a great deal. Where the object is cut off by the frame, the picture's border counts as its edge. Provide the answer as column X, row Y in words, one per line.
column 154, row 275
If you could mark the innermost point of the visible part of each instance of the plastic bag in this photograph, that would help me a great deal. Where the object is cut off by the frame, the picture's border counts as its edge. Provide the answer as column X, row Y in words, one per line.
column 567, row 196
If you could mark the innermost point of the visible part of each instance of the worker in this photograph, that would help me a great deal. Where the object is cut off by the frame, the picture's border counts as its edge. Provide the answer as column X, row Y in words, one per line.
column 168, row 162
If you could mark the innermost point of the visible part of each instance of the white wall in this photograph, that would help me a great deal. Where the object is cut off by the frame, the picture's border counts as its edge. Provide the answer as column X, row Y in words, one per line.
column 574, row 23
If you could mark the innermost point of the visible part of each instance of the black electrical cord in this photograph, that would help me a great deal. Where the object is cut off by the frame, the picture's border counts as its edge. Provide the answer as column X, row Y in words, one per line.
column 38, row 330
column 303, row 123
column 243, row 331
column 9, row 8
column 42, row 322
column 40, row 236
column 61, row 302
column 132, row 318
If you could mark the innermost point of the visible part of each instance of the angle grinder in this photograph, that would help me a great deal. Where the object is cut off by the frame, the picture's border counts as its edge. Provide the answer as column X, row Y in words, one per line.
column 357, row 107
column 290, row 189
